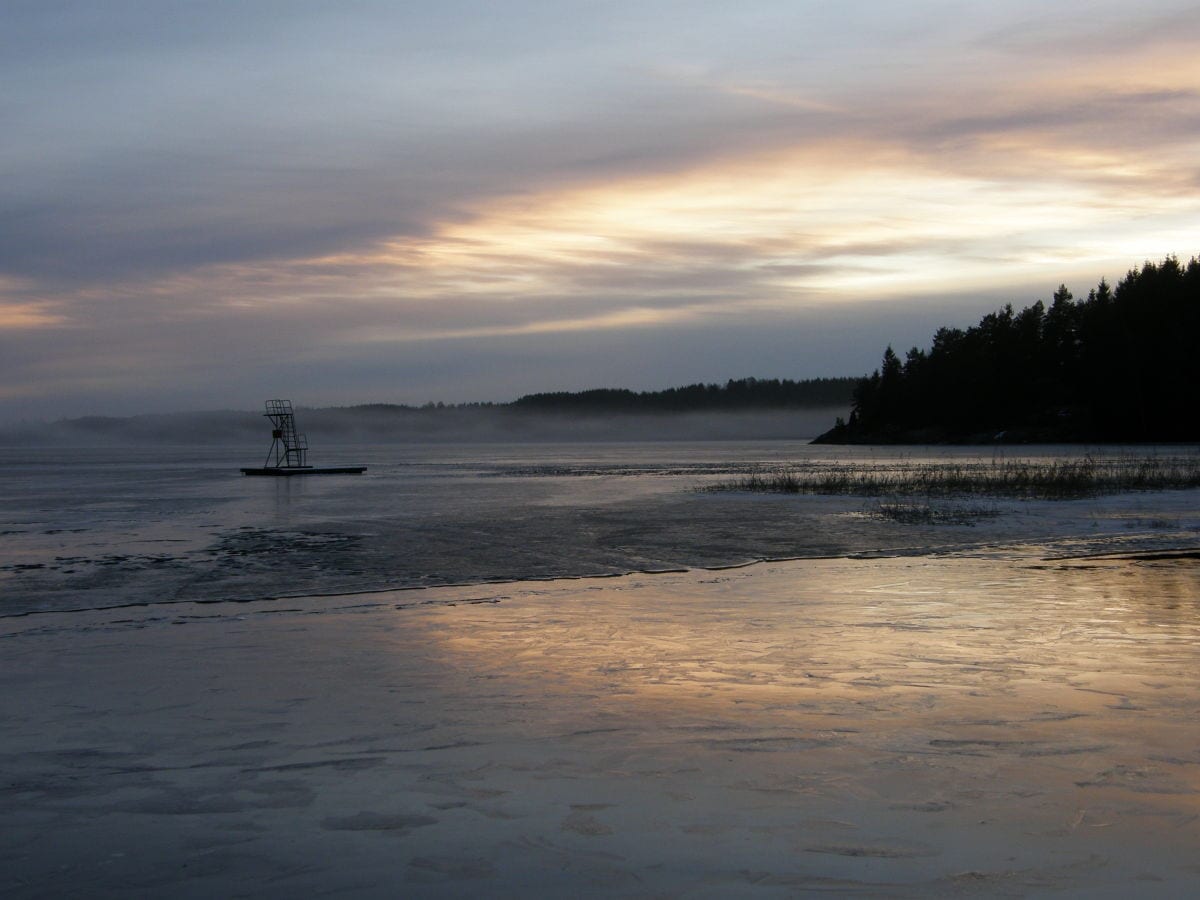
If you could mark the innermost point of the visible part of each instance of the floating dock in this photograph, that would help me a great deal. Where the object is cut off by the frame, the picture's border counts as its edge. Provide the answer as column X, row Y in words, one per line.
column 306, row 470
column 289, row 449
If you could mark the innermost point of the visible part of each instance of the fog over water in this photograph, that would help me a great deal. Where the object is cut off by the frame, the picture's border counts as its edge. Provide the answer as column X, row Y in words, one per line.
column 394, row 424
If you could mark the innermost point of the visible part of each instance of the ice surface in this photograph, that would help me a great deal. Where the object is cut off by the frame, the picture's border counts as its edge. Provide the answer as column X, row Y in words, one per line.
column 1005, row 705
column 907, row 727
column 103, row 527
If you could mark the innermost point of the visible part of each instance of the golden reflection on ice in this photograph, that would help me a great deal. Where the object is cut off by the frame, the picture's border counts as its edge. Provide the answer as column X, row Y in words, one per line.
column 797, row 627
column 1038, row 697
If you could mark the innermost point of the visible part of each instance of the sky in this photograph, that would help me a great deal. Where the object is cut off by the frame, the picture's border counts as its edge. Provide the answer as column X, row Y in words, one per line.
column 206, row 204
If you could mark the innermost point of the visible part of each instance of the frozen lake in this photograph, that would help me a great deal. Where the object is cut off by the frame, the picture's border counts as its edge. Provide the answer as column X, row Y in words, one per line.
column 86, row 528
column 1004, row 705
column 905, row 727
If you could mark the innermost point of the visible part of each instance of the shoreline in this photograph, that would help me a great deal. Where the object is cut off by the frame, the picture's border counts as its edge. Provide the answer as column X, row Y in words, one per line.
column 1186, row 552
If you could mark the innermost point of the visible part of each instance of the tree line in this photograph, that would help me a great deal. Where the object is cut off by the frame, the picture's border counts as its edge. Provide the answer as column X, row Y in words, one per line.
column 1118, row 365
column 739, row 394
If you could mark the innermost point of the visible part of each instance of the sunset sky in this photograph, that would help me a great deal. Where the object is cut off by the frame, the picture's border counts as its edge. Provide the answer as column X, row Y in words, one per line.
column 205, row 204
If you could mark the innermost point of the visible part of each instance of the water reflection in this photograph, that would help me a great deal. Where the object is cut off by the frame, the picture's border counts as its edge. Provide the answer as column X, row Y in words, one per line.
column 1029, row 692
column 289, row 494
column 902, row 727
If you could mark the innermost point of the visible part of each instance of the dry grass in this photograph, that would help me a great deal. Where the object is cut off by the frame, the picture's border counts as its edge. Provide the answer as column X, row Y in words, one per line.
column 1056, row 480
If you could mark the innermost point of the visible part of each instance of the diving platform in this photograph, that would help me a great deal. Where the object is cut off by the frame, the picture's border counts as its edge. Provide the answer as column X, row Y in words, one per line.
column 305, row 470
column 289, row 449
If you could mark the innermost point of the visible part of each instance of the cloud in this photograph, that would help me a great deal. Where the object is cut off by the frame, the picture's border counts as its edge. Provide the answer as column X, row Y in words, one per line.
column 1096, row 29
column 22, row 316
column 230, row 187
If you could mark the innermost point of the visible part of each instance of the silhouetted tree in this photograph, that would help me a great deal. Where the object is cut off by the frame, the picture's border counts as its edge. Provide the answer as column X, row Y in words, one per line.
column 1118, row 365
column 735, row 394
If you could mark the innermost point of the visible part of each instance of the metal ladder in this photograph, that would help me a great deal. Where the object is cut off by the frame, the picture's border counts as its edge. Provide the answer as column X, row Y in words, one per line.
column 288, row 448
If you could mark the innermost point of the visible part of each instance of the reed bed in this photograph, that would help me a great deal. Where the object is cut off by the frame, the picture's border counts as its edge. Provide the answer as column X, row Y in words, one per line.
column 939, row 512
column 1049, row 479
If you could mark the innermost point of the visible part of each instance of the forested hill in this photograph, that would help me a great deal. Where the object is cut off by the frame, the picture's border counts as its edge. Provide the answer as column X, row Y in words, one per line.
column 742, row 394
column 745, row 409
column 1119, row 365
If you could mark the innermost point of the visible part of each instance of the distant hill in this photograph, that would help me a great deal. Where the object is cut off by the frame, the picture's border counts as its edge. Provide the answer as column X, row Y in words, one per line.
column 1119, row 365
column 749, row 408
column 742, row 394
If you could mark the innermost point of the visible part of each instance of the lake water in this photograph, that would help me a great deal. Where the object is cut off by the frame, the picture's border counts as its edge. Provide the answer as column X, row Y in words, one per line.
column 85, row 528
column 1005, row 704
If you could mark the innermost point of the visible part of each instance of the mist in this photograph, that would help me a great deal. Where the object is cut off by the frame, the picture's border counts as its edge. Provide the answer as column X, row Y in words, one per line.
column 334, row 426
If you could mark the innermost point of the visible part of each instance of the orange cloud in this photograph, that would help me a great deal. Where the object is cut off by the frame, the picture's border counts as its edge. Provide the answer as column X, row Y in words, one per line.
column 914, row 191
column 22, row 316
column 795, row 224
